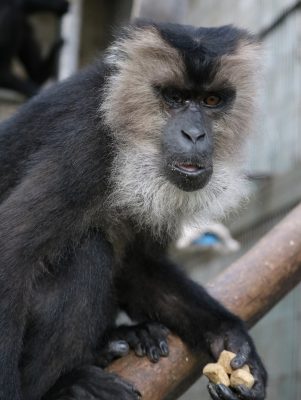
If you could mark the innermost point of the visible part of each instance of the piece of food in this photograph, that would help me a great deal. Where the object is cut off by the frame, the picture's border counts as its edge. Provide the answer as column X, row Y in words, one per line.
column 242, row 377
column 222, row 372
column 246, row 368
column 225, row 359
column 216, row 374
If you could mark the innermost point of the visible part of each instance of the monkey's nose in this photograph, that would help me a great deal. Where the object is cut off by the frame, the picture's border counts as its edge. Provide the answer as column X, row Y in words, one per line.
column 193, row 134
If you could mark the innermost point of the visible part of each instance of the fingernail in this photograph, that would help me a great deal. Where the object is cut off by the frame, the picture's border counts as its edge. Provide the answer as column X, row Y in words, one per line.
column 139, row 350
column 164, row 348
column 154, row 355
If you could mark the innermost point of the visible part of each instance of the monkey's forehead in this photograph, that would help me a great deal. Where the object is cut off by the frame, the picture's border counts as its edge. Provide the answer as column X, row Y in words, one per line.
column 204, row 49
column 217, row 40
column 198, row 53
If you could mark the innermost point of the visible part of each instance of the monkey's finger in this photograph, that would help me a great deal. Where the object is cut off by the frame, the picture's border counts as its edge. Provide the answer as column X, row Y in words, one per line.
column 159, row 335
column 247, row 394
column 127, row 334
column 114, row 349
column 212, row 391
column 164, row 349
column 132, row 339
column 225, row 393
column 257, row 392
column 151, row 347
column 140, row 350
column 154, row 354
column 242, row 356
column 118, row 348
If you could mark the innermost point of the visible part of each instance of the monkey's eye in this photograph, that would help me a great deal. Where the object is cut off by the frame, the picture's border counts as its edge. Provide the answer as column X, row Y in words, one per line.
column 173, row 97
column 212, row 100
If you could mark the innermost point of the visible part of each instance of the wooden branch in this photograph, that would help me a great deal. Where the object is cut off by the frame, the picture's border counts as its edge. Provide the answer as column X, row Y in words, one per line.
column 249, row 288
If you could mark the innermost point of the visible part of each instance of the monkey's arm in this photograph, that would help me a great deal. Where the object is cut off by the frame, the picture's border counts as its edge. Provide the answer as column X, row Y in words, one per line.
column 151, row 288
column 34, row 223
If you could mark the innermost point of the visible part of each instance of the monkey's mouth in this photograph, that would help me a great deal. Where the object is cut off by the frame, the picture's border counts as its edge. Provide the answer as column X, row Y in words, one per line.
column 189, row 175
column 189, row 168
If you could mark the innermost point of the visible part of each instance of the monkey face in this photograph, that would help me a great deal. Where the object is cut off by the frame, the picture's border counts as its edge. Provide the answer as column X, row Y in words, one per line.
column 186, row 141
column 188, row 136
column 179, row 101
column 187, row 150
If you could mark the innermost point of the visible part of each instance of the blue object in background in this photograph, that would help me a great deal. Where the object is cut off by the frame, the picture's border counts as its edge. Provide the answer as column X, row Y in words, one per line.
column 207, row 239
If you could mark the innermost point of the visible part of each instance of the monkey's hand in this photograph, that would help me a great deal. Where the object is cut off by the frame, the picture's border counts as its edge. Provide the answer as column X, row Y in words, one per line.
column 236, row 339
column 146, row 339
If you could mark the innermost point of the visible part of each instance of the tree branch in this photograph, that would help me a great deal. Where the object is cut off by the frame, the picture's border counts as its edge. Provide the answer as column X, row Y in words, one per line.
column 249, row 288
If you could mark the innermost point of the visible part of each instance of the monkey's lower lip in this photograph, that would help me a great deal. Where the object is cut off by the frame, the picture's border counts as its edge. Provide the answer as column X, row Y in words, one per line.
column 189, row 168
column 189, row 176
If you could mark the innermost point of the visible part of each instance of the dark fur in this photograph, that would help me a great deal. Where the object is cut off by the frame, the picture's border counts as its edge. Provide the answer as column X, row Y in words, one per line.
column 17, row 40
column 200, row 59
column 63, row 275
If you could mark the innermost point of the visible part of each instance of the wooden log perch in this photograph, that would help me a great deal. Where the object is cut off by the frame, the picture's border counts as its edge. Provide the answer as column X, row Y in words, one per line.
column 249, row 288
